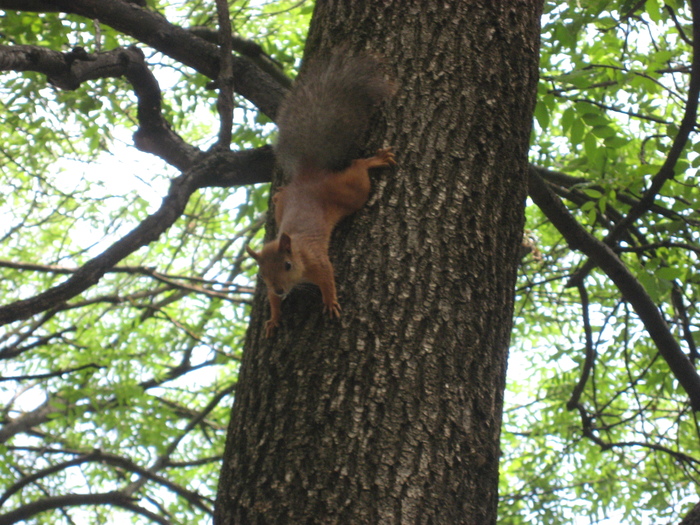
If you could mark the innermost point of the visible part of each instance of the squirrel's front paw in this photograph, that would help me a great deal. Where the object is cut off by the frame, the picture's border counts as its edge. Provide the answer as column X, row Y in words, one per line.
column 333, row 309
column 386, row 157
column 270, row 326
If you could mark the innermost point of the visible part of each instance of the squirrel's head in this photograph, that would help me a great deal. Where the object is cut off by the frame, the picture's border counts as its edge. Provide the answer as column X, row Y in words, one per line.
column 279, row 268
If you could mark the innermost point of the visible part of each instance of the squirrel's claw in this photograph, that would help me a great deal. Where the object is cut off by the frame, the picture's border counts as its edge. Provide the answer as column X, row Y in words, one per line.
column 270, row 326
column 333, row 309
column 383, row 158
column 387, row 155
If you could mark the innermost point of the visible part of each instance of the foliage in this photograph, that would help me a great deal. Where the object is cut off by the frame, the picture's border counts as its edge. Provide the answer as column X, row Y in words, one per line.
column 131, row 382
column 127, row 386
column 614, row 79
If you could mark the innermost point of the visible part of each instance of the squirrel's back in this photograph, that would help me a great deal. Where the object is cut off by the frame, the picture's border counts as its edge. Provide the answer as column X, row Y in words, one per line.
column 328, row 111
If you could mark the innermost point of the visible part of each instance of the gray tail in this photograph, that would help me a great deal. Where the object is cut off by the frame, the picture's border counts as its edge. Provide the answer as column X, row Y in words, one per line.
column 327, row 112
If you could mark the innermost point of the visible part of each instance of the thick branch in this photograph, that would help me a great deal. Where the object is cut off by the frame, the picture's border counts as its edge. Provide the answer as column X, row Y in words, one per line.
column 240, row 168
column 71, row 500
column 27, row 421
column 148, row 231
column 178, row 43
column 222, row 169
column 633, row 292
column 155, row 134
column 39, row 474
column 39, row 6
column 69, row 70
column 682, row 313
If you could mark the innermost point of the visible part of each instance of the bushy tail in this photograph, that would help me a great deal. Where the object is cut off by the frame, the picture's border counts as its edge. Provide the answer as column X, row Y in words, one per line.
column 327, row 112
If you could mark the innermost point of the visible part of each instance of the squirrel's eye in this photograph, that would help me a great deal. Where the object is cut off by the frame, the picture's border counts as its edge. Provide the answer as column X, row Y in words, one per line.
column 287, row 265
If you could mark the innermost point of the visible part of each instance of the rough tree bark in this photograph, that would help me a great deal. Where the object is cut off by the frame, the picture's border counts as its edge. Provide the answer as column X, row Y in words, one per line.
column 393, row 413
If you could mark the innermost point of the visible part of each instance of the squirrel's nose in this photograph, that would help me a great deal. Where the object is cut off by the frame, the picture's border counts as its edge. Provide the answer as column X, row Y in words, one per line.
column 279, row 291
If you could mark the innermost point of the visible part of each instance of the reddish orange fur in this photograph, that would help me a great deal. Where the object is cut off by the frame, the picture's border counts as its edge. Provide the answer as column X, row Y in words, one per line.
column 306, row 211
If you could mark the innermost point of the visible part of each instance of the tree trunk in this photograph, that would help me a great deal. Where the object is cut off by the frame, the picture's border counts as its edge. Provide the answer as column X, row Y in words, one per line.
column 393, row 413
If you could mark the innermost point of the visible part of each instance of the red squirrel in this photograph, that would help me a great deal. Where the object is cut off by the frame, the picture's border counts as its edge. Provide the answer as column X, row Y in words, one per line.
column 320, row 123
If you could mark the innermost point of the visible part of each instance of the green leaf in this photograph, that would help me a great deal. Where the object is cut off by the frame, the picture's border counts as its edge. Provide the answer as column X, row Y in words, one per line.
column 595, row 194
column 603, row 132
column 651, row 285
column 653, row 9
column 669, row 274
column 590, row 146
column 595, row 119
column 578, row 128
column 567, row 119
column 542, row 115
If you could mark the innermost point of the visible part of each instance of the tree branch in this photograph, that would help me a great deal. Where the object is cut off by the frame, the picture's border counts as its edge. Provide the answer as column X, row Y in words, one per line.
column 589, row 431
column 40, row 415
column 221, row 169
column 71, row 500
column 250, row 49
column 218, row 168
column 180, row 44
column 69, row 70
column 89, row 274
column 15, row 349
column 48, row 375
column 667, row 171
column 682, row 313
column 633, row 292
column 26, row 480
column 38, row 6
column 225, row 78
column 170, row 279
column 239, row 168
column 590, row 352
column 564, row 180
column 27, row 421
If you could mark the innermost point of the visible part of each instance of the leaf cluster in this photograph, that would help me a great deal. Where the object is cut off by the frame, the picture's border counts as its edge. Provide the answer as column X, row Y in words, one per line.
column 123, row 391
column 613, row 84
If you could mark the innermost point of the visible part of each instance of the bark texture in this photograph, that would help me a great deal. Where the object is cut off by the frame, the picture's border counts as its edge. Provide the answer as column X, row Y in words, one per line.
column 393, row 414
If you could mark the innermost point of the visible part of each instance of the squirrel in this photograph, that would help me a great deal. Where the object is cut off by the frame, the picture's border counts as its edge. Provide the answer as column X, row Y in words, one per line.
column 320, row 122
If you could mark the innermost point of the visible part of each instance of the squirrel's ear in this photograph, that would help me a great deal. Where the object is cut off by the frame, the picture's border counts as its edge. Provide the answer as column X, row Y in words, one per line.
column 253, row 254
column 285, row 244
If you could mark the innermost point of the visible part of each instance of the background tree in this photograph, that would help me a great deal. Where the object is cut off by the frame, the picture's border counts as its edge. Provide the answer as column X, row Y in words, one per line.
column 116, row 385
